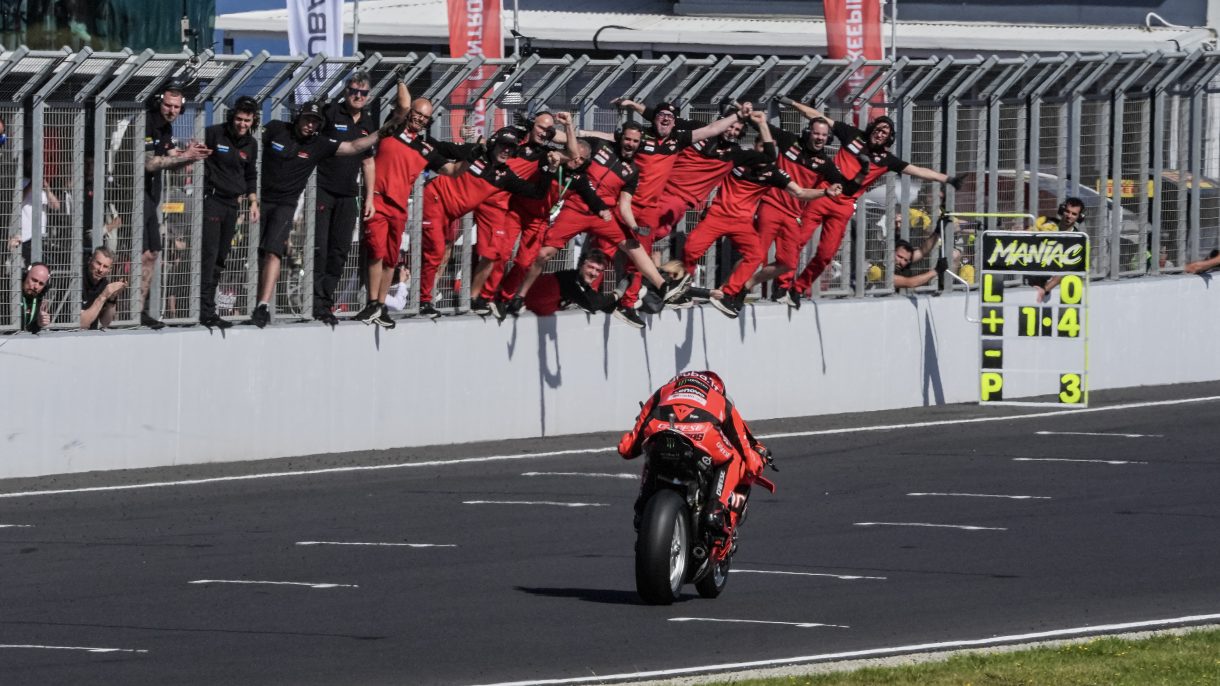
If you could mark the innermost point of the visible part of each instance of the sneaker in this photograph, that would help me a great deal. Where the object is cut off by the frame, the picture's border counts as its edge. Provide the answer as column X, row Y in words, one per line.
column 630, row 316
column 672, row 288
column 480, row 306
column 791, row 298
column 370, row 312
column 514, row 306
column 327, row 318
column 730, row 305
column 427, row 310
column 147, row 320
column 682, row 302
column 383, row 320
column 498, row 309
column 213, row 321
column 261, row 316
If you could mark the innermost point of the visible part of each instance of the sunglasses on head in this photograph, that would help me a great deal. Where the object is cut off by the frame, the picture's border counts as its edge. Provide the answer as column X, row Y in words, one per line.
column 362, row 92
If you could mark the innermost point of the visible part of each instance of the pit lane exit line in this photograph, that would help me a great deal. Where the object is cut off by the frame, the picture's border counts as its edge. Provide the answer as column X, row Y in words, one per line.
column 587, row 451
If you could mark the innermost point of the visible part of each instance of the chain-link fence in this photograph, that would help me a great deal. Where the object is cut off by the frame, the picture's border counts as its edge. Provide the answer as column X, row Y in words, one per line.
column 1135, row 136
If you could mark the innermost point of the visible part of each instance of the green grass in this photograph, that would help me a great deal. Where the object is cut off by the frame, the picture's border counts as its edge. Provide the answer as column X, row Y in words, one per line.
column 1168, row 659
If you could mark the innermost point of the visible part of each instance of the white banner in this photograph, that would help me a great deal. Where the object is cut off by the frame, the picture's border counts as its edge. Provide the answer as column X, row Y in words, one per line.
column 315, row 26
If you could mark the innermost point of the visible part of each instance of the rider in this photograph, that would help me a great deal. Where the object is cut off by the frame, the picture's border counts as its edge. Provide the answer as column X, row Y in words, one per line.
column 696, row 404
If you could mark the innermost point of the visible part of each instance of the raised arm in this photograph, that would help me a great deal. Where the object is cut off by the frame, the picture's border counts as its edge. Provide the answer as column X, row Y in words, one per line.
column 807, row 111
column 715, row 128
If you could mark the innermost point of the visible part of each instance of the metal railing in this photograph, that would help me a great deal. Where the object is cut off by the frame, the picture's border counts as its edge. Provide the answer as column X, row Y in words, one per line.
column 1137, row 136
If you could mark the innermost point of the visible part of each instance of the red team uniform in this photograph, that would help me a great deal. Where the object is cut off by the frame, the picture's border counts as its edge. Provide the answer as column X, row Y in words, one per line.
column 609, row 175
column 778, row 219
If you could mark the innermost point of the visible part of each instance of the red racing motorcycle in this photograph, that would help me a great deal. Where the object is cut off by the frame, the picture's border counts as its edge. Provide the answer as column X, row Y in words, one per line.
column 681, row 537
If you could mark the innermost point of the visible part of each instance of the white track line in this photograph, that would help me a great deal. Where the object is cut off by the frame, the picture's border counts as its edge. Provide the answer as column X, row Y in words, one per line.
column 967, row 527
column 272, row 583
column 984, row 495
column 1089, row 433
column 587, row 451
column 16, row 526
column 603, row 475
column 84, row 648
column 403, row 545
column 532, row 502
column 1068, row 459
column 803, row 625
column 871, row 652
column 845, row 577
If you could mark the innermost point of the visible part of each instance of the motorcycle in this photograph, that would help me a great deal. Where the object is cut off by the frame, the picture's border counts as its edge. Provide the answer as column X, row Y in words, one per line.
column 681, row 534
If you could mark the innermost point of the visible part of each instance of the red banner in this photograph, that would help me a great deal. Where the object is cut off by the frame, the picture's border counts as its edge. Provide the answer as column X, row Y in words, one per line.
column 853, row 29
column 474, row 29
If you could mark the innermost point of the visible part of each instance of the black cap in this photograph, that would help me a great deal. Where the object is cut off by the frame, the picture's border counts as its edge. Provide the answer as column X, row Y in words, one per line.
column 506, row 137
column 664, row 107
column 312, row 109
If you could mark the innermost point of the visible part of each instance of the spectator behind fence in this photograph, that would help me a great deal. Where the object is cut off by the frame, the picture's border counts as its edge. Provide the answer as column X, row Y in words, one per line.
column 400, row 287
column 338, row 193
column 573, row 288
column 47, row 200
column 161, row 153
column 1068, row 217
column 99, row 295
column 35, row 315
column 229, row 174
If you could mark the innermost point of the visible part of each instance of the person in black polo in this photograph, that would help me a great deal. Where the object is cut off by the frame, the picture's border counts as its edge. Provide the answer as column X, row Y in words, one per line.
column 229, row 173
column 291, row 151
column 161, row 153
column 338, row 190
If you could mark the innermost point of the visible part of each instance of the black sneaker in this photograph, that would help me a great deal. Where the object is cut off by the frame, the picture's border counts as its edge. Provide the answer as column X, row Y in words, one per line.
column 514, row 306
column 498, row 309
column 730, row 305
column 682, row 302
column 791, row 298
column 370, row 312
column 630, row 316
column 383, row 320
column 480, row 306
column 148, row 321
column 213, row 321
column 261, row 316
column 326, row 317
column 427, row 310
column 672, row 288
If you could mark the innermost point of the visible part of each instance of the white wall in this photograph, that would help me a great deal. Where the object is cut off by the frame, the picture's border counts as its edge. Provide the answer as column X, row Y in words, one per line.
column 87, row 401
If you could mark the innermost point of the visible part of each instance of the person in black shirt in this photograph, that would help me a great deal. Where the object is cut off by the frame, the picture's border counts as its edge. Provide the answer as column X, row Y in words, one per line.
column 34, row 313
column 291, row 152
column 573, row 288
column 161, row 153
column 228, row 175
column 338, row 189
column 99, row 295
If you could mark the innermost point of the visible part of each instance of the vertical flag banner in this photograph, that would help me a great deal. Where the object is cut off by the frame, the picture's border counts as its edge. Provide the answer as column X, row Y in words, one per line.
column 853, row 29
column 474, row 29
column 315, row 26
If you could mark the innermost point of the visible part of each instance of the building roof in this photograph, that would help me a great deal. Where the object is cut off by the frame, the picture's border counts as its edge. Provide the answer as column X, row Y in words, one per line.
column 426, row 22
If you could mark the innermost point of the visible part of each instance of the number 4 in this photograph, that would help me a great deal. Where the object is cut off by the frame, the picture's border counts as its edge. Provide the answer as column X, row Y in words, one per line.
column 1069, row 322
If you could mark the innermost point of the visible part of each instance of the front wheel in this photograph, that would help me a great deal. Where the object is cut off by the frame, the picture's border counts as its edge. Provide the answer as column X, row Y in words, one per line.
column 662, row 548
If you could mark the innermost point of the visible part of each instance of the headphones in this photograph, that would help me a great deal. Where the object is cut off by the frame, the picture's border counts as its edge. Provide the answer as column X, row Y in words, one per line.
column 1074, row 202
column 868, row 132
column 245, row 104
column 175, row 85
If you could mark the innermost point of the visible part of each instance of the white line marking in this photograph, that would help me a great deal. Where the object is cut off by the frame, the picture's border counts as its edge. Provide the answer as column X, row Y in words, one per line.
column 84, row 648
column 1068, row 459
column 405, row 545
column 985, row 495
column 272, row 583
column 869, row 652
column 1090, row 433
column 803, row 625
column 967, row 527
column 846, row 577
column 532, row 502
column 16, row 526
column 588, row 451
column 604, row 475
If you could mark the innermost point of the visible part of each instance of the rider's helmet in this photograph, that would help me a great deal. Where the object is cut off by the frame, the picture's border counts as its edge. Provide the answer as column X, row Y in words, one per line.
column 717, row 382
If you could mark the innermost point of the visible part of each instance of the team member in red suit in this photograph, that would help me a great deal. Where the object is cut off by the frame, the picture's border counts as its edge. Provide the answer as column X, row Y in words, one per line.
column 863, row 158
column 697, row 405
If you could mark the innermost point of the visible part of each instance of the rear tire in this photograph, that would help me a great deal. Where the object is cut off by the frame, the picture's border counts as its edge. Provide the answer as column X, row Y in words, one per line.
column 713, row 583
column 662, row 548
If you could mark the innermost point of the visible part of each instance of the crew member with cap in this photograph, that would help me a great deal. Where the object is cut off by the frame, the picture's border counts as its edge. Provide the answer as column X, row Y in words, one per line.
column 229, row 174
column 863, row 158
column 161, row 153
column 338, row 190
column 447, row 198
column 291, row 152
column 402, row 155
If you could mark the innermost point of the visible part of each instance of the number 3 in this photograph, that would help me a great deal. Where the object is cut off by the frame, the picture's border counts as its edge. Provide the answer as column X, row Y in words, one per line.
column 1070, row 392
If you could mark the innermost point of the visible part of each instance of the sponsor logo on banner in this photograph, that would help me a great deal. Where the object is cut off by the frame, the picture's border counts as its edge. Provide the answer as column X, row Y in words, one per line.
column 474, row 29
column 315, row 27
column 853, row 29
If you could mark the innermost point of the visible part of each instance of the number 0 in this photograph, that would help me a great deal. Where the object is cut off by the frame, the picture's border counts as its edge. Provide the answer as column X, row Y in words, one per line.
column 1071, row 290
